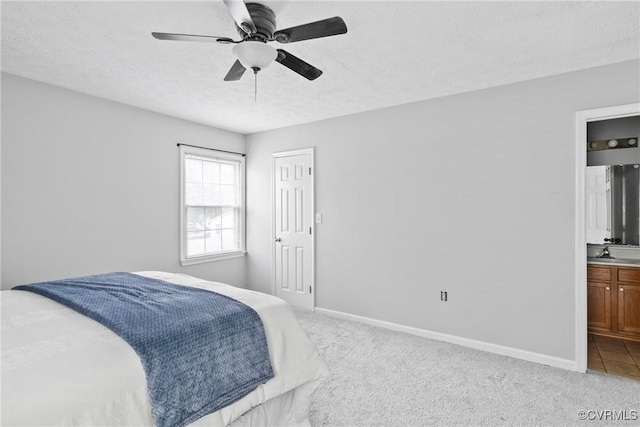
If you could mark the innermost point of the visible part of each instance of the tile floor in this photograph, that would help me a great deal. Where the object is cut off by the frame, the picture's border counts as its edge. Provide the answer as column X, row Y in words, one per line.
column 614, row 356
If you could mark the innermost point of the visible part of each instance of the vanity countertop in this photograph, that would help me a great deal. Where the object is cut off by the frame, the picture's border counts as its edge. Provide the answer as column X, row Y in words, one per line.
column 614, row 261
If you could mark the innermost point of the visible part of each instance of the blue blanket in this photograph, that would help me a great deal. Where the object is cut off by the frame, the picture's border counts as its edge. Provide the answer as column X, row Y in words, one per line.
column 200, row 350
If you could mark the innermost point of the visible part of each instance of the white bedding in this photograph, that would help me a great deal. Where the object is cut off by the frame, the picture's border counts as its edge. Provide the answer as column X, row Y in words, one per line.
column 62, row 368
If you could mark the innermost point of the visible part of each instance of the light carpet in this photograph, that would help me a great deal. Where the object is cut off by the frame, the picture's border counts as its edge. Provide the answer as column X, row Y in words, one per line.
column 386, row 378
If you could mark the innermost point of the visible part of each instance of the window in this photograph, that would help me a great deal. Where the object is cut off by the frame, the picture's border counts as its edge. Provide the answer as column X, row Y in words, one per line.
column 212, row 205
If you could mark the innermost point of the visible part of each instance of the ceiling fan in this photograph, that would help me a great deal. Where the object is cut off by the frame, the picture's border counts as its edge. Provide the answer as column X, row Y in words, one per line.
column 256, row 24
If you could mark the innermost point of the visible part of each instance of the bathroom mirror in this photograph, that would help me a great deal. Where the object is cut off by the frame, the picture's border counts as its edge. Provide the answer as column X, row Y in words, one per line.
column 613, row 204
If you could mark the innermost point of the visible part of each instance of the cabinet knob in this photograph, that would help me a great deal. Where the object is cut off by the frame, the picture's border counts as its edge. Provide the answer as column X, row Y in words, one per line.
column 278, row 239
column 607, row 288
column 621, row 289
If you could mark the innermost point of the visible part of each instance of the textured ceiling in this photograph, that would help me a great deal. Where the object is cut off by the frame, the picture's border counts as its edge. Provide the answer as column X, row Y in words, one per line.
column 394, row 53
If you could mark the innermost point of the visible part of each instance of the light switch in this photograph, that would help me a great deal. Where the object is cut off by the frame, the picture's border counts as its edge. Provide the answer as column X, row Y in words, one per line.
column 318, row 218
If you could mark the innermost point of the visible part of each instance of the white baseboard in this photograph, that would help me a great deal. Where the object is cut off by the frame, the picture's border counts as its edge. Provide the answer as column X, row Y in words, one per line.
column 478, row 345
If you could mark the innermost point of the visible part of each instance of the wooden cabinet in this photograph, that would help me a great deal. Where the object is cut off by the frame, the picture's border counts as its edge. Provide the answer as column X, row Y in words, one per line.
column 628, row 280
column 613, row 300
column 599, row 306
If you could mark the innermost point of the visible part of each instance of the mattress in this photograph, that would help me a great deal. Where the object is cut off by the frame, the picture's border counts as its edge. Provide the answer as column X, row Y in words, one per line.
column 62, row 368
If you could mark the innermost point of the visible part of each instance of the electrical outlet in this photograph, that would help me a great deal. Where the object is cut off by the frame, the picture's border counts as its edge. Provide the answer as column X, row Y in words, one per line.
column 443, row 296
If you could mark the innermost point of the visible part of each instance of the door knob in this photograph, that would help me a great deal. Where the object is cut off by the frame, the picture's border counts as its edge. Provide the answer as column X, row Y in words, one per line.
column 278, row 239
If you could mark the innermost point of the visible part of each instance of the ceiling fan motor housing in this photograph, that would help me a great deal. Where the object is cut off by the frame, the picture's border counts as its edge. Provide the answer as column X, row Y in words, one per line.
column 264, row 19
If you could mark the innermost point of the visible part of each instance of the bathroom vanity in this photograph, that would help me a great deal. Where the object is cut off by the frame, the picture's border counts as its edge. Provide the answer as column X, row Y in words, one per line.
column 613, row 298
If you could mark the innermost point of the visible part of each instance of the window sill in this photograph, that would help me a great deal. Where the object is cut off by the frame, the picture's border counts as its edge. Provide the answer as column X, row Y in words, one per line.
column 211, row 258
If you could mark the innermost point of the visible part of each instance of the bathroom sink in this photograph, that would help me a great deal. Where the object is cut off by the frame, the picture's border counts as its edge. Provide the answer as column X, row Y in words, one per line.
column 614, row 260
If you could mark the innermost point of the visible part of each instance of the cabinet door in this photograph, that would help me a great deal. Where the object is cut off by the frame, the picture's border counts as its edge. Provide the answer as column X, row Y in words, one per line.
column 599, row 306
column 629, row 308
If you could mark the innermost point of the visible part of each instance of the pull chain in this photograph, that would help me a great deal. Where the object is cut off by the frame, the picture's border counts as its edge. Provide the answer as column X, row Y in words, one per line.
column 255, row 83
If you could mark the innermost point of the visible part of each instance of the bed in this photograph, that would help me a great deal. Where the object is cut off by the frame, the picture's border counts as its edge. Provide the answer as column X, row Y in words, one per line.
column 62, row 368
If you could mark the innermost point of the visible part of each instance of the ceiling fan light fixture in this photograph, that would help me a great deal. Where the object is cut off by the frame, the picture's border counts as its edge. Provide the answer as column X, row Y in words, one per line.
column 255, row 54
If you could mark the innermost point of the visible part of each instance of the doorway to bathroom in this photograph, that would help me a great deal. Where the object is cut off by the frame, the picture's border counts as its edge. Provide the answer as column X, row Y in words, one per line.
column 607, row 324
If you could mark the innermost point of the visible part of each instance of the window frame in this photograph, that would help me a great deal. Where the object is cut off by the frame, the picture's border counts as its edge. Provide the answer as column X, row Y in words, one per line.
column 212, row 154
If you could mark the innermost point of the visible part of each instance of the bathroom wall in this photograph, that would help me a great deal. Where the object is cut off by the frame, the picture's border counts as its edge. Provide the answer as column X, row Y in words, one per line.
column 610, row 129
column 625, row 199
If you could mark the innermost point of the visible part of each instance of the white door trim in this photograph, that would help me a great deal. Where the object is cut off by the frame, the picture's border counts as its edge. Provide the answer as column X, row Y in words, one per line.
column 580, row 265
column 310, row 152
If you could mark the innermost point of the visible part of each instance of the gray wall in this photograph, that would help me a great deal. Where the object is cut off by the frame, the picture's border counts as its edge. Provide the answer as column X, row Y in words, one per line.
column 611, row 129
column 473, row 194
column 90, row 186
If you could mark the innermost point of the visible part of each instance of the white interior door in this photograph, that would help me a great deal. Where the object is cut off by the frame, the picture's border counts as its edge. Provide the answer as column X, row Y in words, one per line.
column 293, row 227
column 598, row 204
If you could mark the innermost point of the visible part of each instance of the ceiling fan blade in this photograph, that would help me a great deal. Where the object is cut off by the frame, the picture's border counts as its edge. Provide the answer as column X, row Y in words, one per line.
column 241, row 15
column 296, row 64
column 192, row 38
column 313, row 30
column 236, row 71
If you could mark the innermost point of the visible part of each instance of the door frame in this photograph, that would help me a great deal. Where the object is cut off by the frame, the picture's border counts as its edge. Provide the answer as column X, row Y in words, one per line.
column 289, row 153
column 580, row 264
